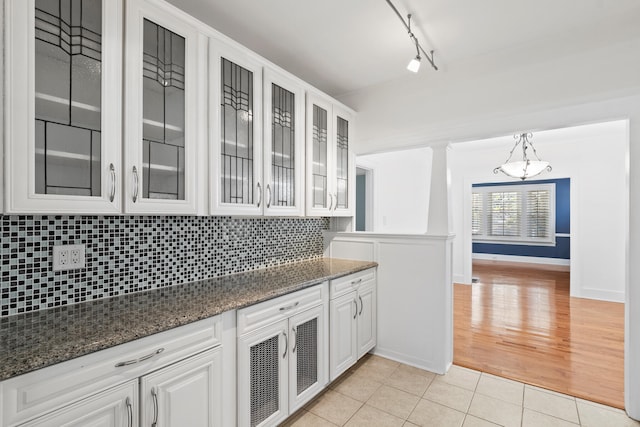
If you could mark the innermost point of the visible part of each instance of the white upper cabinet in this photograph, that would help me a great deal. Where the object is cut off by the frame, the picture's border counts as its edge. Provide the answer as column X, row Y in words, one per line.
column 164, row 132
column 330, row 164
column 235, row 139
column 63, row 106
column 283, row 145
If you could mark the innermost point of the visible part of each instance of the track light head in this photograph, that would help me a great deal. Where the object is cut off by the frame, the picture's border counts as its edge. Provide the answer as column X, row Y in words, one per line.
column 414, row 64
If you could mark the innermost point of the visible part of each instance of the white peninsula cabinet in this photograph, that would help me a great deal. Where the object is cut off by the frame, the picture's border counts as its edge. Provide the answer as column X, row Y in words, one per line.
column 330, row 163
column 64, row 108
column 173, row 379
column 255, row 169
column 282, row 355
column 353, row 319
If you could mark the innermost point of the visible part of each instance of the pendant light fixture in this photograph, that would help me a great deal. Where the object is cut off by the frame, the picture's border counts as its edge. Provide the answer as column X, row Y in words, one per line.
column 414, row 64
column 525, row 168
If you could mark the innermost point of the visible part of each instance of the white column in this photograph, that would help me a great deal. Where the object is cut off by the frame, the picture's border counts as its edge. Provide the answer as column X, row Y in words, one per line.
column 632, row 306
column 440, row 219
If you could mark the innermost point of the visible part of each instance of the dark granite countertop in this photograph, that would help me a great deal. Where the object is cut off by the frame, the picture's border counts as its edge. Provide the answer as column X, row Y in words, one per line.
column 32, row 341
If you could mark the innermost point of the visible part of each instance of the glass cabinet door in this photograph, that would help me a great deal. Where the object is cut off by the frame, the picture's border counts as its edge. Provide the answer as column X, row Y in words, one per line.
column 163, row 100
column 236, row 181
column 319, row 167
column 65, row 127
column 284, row 145
column 342, row 164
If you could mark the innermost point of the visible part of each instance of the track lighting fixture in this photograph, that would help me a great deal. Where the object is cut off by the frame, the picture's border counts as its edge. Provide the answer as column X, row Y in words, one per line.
column 414, row 64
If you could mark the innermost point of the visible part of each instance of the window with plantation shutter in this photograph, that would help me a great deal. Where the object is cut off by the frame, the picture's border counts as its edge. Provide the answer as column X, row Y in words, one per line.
column 513, row 214
column 476, row 214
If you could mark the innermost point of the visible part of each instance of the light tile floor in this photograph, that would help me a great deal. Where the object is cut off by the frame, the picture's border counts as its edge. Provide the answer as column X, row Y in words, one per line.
column 381, row 392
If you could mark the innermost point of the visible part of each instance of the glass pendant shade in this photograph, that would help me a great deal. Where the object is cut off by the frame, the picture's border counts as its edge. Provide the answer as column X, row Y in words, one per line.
column 524, row 168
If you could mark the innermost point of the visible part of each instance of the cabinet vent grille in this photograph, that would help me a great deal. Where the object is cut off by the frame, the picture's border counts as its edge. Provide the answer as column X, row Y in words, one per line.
column 307, row 355
column 264, row 379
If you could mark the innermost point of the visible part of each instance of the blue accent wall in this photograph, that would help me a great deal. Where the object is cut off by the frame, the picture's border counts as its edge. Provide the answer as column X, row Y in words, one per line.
column 561, row 249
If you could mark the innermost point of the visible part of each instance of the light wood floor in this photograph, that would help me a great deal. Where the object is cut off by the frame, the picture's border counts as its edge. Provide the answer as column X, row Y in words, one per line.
column 520, row 323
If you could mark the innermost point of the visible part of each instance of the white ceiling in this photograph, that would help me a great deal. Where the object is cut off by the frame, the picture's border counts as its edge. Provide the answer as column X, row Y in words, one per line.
column 342, row 46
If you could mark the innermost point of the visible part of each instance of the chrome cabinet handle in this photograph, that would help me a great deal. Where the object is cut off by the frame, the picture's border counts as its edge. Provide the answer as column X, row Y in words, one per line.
column 136, row 184
column 295, row 339
column 140, row 359
column 336, row 204
column 361, row 305
column 154, row 394
column 356, row 304
column 112, row 171
column 330, row 201
column 289, row 307
column 286, row 344
column 260, row 193
column 269, row 196
column 356, row 282
column 129, row 412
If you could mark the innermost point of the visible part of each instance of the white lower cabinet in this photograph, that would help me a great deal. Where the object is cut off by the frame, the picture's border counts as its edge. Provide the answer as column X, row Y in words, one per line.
column 187, row 393
column 170, row 379
column 110, row 408
column 352, row 319
column 282, row 356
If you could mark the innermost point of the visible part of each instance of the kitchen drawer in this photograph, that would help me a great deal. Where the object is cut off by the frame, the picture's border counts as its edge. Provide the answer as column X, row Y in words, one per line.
column 39, row 392
column 264, row 313
column 346, row 284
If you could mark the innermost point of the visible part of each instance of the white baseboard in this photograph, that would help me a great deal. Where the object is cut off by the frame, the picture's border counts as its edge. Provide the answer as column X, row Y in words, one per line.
column 600, row 294
column 411, row 361
column 522, row 259
column 459, row 278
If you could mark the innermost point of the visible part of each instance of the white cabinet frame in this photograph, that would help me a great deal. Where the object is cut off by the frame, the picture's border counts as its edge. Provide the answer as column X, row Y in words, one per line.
column 218, row 50
column 19, row 137
column 195, row 102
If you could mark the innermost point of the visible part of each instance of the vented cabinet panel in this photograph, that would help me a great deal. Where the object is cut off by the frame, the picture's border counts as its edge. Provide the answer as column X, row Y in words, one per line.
column 307, row 371
column 262, row 375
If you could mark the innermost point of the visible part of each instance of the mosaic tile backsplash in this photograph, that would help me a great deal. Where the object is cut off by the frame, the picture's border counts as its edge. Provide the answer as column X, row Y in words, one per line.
column 127, row 254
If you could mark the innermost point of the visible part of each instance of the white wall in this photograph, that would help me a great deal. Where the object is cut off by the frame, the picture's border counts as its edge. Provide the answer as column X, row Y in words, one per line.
column 401, row 185
column 594, row 157
column 551, row 92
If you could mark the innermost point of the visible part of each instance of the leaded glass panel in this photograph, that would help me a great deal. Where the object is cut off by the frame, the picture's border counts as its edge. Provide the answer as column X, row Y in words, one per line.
column 163, row 97
column 237, row 153
column 283, row 147
column 68, row 77
column 319, row 158
column 342, row 163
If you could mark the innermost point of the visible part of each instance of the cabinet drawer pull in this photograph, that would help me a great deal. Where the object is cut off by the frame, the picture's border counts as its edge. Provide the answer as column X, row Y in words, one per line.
column 356, row 304
column 136, row 184
column 286, row 344
column 140, row 359
column 330, row 201
column 260, row 194
column 112, row 171
column 336, row 205
column 356, row 282
column 361, row 305
column 129, row 412
column 289, row 307
column 154, row 394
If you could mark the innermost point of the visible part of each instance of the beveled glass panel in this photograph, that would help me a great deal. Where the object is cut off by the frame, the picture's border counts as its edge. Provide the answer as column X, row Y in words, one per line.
column 163, row 98
column 68, row 77
column 237, row 154
column 342, row 163
column 283, row 147
column 319, row 159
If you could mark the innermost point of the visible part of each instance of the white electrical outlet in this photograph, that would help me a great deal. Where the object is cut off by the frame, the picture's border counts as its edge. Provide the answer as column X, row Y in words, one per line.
column 68, row 257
